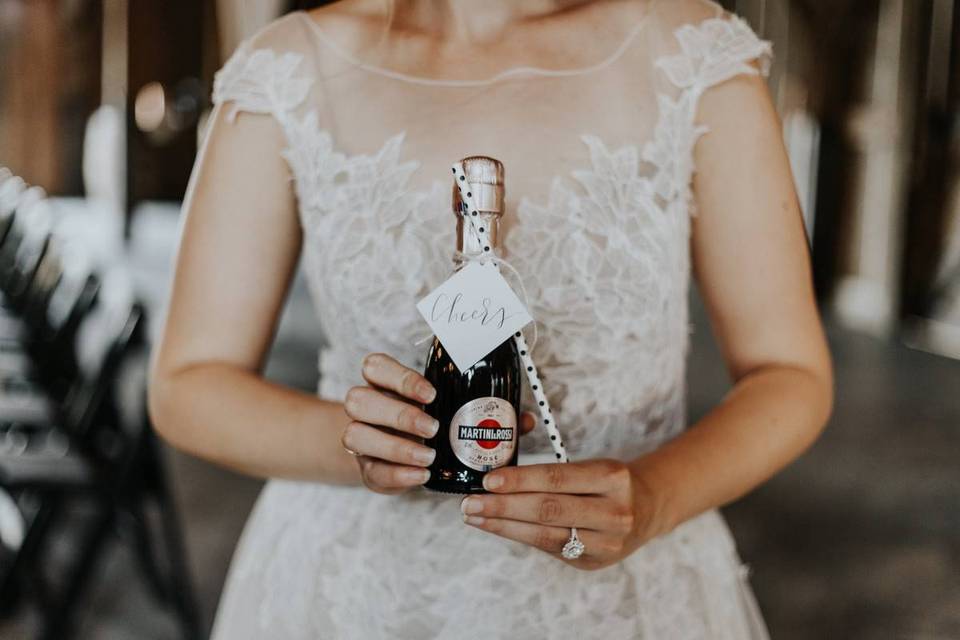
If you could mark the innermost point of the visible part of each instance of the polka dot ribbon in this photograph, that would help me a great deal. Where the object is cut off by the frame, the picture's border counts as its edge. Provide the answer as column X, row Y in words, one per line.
column 470, row 213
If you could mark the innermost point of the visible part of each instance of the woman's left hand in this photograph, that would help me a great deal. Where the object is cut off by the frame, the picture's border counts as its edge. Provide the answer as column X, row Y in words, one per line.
column 613, row 507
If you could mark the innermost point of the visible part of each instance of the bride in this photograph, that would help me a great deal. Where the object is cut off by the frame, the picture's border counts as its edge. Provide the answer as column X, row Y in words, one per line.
column 641, row 149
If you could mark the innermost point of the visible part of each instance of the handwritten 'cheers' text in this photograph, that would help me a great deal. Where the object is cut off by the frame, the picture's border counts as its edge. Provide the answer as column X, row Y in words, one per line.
column 452, row 311
column 472, row 312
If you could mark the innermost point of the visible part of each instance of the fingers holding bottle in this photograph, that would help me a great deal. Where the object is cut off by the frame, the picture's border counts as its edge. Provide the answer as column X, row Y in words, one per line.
column 386, row 428
column 373, row 406
column 381, row 370
column 367, row 440
column 388, row 463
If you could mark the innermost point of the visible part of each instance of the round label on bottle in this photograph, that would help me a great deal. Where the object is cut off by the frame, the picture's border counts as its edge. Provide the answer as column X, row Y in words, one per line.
column 483, row 433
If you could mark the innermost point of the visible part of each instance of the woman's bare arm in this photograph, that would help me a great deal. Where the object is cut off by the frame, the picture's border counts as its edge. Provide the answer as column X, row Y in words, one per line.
column 751, row 261
column 239, row 248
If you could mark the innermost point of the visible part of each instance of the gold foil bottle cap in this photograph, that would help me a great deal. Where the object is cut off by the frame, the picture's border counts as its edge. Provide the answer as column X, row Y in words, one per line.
column 485, row 177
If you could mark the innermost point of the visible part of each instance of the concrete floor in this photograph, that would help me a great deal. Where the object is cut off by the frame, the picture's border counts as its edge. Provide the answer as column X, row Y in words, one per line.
column 859, row 539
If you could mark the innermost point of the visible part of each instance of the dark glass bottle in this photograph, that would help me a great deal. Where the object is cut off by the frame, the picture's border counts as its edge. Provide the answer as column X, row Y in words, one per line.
column 478, row 409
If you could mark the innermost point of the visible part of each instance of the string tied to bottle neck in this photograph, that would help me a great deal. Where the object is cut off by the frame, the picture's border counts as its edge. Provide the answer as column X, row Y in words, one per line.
column 493, row 256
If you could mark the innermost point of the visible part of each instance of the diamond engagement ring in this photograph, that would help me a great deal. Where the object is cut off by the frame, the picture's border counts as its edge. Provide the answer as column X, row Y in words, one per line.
column 574, row 548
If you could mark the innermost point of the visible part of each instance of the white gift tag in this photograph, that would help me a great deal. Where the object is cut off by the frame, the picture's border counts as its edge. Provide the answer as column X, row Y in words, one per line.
column 473, row 312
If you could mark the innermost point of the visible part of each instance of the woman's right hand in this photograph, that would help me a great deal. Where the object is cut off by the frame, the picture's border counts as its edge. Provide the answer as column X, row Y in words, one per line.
column 387, row 423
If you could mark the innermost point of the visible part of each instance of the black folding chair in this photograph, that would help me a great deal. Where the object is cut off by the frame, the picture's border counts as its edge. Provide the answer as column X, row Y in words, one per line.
column 111, row 462
column 43, row 362
column 23, row 246
column 11, row 187
column 49, row 296
column 73, row 423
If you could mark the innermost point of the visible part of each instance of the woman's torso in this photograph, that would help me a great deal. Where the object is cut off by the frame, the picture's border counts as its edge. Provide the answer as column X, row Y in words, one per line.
column 598, row 166
column 598, row 204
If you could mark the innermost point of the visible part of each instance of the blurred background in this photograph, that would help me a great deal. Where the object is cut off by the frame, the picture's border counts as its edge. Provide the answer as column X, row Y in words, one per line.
column 106, row 533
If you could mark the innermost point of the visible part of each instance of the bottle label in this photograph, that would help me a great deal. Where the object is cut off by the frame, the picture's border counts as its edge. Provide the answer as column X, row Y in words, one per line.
column 483, row 433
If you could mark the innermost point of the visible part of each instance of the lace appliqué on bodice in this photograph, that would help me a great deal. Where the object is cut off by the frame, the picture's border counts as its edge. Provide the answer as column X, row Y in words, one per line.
column 605, row 259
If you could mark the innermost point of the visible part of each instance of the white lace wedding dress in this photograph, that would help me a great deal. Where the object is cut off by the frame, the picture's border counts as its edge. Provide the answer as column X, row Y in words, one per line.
column 598, row 182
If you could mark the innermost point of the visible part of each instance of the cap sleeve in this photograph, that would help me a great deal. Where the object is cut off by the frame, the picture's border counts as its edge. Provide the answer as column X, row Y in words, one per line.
column 715, row 50
column 260, row 80
column 705, row 49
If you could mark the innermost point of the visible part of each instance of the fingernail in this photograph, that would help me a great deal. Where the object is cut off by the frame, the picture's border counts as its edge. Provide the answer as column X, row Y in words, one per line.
column 422, row 475
column 427, row 392
column 474, row 520
column 492, row 482
column 471, row 505
column 424, row 456
column 428, row 426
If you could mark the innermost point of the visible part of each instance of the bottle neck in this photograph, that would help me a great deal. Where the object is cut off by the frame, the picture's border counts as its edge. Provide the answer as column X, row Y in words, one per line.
column 467, row 241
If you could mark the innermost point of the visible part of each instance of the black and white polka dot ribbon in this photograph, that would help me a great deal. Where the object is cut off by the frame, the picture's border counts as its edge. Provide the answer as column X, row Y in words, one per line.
column 471, row 214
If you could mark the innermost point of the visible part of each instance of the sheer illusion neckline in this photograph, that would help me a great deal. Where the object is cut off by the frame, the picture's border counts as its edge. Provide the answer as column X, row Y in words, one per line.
column 517, row 70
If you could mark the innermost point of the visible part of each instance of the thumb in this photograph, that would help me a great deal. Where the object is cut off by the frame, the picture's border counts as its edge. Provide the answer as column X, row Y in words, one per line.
column 528, row 421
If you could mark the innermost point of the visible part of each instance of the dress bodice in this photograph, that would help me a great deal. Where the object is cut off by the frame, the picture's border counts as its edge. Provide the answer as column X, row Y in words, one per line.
column 599, row 164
